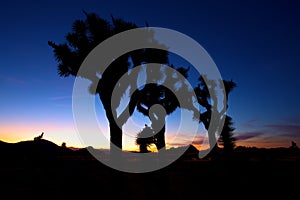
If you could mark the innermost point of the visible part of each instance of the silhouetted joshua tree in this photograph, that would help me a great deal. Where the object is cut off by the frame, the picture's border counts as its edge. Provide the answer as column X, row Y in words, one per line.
column 86, row 35
column 210, row 103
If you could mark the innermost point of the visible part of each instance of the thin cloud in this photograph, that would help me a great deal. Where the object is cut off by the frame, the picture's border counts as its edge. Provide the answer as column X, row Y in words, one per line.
column 60, row 98
column 13, row 80
column 250, row 123
column 248, row 135
column 284, row 128
column 62, row 105
column 61, row 101
column 178, row 144
column 292, row 120
column 198, row 140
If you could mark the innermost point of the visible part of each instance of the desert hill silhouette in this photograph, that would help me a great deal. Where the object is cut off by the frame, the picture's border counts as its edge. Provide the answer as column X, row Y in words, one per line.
column 43, row 148
column 31, row 169
column 46, row 149
column 32, row 149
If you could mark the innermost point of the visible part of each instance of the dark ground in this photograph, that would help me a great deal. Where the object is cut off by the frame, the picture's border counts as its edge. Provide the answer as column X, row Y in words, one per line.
column 250, row 174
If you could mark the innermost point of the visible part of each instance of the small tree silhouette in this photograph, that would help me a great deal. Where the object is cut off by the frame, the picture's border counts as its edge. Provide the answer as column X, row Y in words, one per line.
column 145, row 138
column 226, row 138
column 294, row 145
column 64, row 145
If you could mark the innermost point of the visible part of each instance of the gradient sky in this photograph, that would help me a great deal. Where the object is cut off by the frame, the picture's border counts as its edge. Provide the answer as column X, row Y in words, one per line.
column 254, row 43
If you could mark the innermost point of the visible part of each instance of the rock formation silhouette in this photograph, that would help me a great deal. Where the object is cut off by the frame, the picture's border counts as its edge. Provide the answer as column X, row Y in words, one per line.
column 37, row 138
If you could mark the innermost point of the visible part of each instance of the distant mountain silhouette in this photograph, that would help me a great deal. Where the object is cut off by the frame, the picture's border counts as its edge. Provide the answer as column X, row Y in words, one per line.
column 90, row 152
column 188, row 152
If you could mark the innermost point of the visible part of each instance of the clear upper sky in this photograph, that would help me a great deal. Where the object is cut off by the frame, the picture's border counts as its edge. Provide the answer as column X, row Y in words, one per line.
column 254, row 43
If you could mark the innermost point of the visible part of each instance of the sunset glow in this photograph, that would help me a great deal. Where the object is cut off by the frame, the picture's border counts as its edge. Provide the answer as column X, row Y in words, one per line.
column 247, row 49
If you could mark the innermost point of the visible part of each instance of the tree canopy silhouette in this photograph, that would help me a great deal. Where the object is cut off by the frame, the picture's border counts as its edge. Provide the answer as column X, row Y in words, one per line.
column 210, row 103
column 226, row 138
column 145, row 138
column 146, row 100
column 153, row 99
column 86, row 35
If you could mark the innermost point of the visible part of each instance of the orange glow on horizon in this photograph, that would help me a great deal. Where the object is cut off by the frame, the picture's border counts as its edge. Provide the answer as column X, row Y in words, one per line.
column 12, row 133
column 22, row 131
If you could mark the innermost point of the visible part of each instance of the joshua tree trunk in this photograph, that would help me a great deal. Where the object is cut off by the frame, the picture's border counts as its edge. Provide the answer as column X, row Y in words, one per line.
column 143, row 148
column 159, row 127
column 205, row 118
column 160, row 139
column 115, row 138
column 115, row 130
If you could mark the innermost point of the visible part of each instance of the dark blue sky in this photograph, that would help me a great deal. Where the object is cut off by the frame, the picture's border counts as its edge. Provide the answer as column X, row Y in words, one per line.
column 254, row 43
